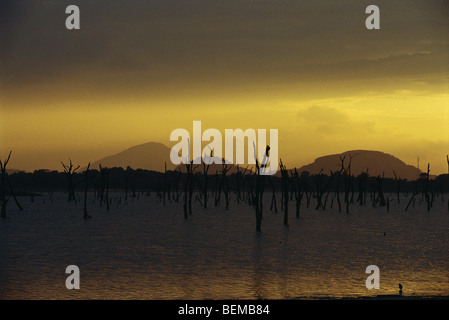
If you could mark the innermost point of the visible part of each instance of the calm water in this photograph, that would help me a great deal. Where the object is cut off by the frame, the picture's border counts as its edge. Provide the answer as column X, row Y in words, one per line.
column 144, row 250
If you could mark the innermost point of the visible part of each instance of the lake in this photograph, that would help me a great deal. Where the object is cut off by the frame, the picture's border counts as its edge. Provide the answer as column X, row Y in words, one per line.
column 145, row 250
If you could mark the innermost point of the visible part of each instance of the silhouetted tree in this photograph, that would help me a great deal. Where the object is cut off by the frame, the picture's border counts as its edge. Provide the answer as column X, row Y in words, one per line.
column 398, row 186
column 379, row 188
column 339, row 173
column 273, row 197
column 285, row 185
column 239, row 176
column 259, row 186
column 106, row 173
column 69, row 171
column 362, row 188
column 225, row 183
column 165, row 181
column 86, row 181
column 299, row 192
column 101, row 184
column 4, row 175
column 205, row 171
column 426, row 188
column 348, row 181
column 327, row 188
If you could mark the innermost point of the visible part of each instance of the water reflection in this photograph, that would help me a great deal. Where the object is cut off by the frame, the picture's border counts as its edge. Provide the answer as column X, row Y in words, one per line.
column 147, row 251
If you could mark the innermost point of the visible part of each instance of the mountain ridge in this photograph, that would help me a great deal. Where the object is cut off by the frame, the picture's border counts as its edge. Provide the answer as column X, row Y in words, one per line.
column 374, row 162
column 153, row 155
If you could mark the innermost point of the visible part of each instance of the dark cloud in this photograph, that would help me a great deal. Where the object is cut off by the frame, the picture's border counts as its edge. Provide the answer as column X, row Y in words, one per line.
column 147, row 44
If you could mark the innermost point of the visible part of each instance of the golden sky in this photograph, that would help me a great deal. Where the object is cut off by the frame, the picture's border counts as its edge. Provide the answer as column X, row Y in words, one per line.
column 136, row 70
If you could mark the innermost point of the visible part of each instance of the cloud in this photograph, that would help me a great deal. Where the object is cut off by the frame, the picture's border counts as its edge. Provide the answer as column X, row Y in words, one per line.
column 324, row 120
column 226, row 43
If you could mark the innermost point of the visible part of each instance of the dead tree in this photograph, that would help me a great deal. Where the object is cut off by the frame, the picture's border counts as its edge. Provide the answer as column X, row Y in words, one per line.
column 318, row 189
column 398, row 186
column 412, row 198
column 299, row 192
column 239, row 176
column 426, row 188
column 205, row 171
column 339, row 173
column 188, row 187
column 285, row 185
column 273, row 197
column 191, row 181
column 327, row 189
column 101, row 185
column 86, row 186
column 164, row 190
column 362, row 188
column 4, row 175
column 259, row 186
column 217, row 193
column 348, row 181
column 107, row 188
column 379, row 188
column 225, row 183
column 69, row 171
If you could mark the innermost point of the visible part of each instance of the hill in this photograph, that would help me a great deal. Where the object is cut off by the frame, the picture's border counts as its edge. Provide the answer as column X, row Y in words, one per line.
column 153, row 155
column 149, row 156
column 375, row 162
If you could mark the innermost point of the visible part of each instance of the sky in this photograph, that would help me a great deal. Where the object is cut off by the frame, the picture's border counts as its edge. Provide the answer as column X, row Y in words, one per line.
column 137, row 70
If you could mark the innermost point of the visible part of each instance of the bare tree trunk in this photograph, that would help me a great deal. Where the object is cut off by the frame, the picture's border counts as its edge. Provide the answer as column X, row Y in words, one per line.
column 427, row 187
column 285, row 184
column 86, row 216
column 273, row 197
column 107, row 188
column 398, row 186
column 3, row 172
column 165, row 181
column 186, row 189
column 69, row 172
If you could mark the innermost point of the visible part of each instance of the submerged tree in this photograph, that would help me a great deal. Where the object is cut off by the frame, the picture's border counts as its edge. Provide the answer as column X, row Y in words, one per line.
column 299, row 192
column 225, row 183
column 259, row 185
column 86, row 186
column 205, row 171
column 69, row 171
column 238, row 177
column 164, row 190
column 188, row 185
column 362, row 187
column 285, row 185
column 426, row 188
column 398, row 186
column 4, row 175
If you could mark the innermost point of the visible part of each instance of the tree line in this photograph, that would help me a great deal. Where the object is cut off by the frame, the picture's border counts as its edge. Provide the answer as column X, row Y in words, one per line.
column 338, row 189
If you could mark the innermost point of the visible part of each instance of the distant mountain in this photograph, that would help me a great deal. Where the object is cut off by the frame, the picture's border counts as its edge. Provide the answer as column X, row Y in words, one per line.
column 153, row 155
column 376, row 162
column 149, row 156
